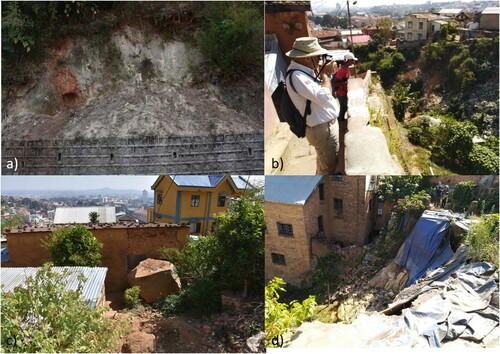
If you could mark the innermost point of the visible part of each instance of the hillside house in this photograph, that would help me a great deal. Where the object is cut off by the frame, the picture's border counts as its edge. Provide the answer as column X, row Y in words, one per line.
column 305, row 214
column 194, row 199
column 419, row 26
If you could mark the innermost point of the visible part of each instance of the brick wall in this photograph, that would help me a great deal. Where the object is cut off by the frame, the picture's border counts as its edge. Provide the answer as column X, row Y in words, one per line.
column 354, row 225
column 220, row 154
column 296, row 249
column 26, row 249
column 302, row 250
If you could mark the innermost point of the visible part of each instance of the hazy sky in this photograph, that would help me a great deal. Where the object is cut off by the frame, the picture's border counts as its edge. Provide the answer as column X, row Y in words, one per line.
column 76, row 182
column 369, row 3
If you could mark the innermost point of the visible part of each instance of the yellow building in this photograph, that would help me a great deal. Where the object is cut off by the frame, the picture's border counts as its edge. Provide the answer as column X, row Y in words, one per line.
column 193, row 199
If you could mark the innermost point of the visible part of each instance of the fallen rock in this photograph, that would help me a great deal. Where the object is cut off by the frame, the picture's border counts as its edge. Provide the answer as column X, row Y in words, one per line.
column 156, row 279
column 254, row 342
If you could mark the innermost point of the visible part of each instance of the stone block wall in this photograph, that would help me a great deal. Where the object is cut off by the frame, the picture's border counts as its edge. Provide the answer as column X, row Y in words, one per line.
column 219, row 154
column 296, row 248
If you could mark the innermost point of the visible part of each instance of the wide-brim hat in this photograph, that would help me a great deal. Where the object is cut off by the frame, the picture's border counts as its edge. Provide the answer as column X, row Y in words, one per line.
column 305, row 47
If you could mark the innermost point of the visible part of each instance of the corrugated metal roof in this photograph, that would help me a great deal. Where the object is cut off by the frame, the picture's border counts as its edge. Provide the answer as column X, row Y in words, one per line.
column 491, row 11
column 80, row 215
column 14, row 277
column 290, row 189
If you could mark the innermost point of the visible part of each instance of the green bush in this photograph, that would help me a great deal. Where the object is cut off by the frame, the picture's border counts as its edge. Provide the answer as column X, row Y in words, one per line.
column 454, row 144
column 46, row 317
column 232, row 36
column 279, row 317
column 173, row 304
column 415, row 204
column 132, row 296
column 74, row 246
column 420, row 132
column 203, row 298
column 483, row 239
column 482, row 160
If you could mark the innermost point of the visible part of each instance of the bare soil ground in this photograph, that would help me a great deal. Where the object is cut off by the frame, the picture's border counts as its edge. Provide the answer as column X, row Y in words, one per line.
column 148, row 331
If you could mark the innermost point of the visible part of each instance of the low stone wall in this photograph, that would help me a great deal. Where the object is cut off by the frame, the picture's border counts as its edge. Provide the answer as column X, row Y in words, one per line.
column 219, row 154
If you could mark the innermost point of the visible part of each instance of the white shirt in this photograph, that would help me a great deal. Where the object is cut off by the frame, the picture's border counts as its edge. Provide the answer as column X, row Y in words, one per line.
column 324, row 108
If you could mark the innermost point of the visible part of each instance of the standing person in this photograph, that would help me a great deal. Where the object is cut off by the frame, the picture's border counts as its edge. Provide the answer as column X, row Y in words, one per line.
column 343, row 74
column 322, row 129
column 439, row 194
column 444, row 200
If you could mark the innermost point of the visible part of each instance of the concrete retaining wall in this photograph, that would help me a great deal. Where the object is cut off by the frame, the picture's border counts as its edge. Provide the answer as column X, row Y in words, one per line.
column 220, row 154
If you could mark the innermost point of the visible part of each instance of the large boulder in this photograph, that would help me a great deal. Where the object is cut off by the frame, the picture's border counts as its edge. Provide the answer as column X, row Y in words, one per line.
column 156, row 278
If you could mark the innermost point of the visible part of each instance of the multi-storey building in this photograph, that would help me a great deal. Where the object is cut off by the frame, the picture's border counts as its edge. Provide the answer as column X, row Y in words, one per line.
column 304, row 214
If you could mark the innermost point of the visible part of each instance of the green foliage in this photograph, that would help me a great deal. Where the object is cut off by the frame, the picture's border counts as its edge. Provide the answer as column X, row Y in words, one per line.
column 132, row 296
column 415, row 205
column 280, row 317
column 196, row 261
column 74, row 246
column 16, row 28
column 232, row 36
column 393, row 188
column 12, row 222
column 402, row 98
column 240, row 235
column 483, row 160
column 466, row 192
column 94, row 217
column 231, row 258
column 45, row 317
column 483, row 239
column 203, row 298
column 454, row 144
column 421, row 132
column 327, row 272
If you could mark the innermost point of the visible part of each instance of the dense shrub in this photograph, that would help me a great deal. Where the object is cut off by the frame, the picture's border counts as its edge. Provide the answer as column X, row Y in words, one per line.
column 203, row 298
column 232, row 35
column 132, row 296
column 420, row 132
column 482, row 160
column 74, row 246
column 483, row 239
column 453, row 144
column 46, row 317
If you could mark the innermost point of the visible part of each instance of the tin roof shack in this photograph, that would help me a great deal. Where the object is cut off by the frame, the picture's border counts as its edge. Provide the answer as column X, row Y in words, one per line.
column 93, row 288
column 80, row 215
column 305, row 214
column 124, row 246
column 489, row 18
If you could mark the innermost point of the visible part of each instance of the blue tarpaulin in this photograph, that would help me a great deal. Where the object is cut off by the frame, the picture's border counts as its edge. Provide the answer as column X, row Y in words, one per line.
column 426, row 247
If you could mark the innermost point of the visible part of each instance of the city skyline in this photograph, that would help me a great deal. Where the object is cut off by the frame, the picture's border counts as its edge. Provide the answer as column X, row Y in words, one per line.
column 318, row 4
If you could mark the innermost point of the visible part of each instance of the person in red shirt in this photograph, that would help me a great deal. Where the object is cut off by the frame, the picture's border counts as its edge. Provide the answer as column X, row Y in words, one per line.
column 343, row 74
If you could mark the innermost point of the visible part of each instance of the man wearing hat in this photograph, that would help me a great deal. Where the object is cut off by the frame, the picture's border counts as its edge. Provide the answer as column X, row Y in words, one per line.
column 343, row 74
column 322, row 130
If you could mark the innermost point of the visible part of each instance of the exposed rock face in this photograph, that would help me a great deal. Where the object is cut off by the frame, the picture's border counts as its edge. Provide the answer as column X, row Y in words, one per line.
column 393, row 277
column 156, row 278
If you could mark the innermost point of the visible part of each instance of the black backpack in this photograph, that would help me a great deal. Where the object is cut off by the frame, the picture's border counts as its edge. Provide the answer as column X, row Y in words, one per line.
column 287, row 112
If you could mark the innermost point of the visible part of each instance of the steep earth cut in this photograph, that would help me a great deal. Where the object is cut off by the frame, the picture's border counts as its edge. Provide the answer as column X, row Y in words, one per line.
column 136, row 84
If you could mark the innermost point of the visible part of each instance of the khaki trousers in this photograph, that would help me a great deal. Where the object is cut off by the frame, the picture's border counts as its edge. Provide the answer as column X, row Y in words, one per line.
column 325, row 139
